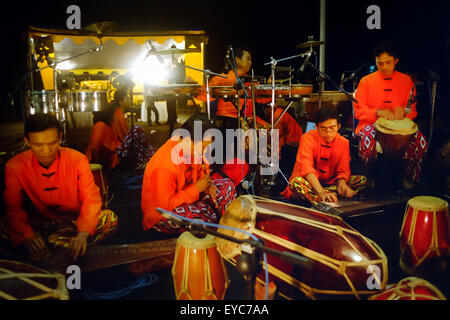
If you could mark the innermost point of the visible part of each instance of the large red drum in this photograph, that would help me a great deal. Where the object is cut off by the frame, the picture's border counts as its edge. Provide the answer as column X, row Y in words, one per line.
column 100, row 181
column 410, row 289
column 198, row 270
column 425, row 235
column 21, row 281
column 345, row 264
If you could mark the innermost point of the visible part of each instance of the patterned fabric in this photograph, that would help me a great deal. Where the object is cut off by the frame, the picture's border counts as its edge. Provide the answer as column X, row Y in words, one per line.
column 136, row 140
column 204, row 209
column 59, row 231
column 301, row 187
column 413, row 156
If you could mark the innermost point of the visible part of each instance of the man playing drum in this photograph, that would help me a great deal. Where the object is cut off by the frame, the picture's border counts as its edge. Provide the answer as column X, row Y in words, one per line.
column 177, row 179
column 385, row 94
column 50, row 196
column 322, row 166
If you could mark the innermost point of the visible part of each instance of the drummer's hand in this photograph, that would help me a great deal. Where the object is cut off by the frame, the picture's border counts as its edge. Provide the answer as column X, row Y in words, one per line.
column 203, row 183
column 384, row 113
column 37, row 248
column 327, row 196
column 344, row 190
column 399, row 113
column 77, row 245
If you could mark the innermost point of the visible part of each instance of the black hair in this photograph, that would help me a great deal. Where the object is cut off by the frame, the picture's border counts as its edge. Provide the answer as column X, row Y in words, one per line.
column 200, row 117
column 239, row 51
column 39, row 122
column 119, row 95
column 326, row 113
column 105, row 116
column 387, row 47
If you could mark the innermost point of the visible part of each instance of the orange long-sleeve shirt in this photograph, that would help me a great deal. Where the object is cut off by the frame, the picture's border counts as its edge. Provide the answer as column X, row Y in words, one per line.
column 120, row 125
column 289, row 130
column 329, row 162
column 375, row 91
column 166, row 184
column 227, row 108
column 105, row 142
column 65, row 189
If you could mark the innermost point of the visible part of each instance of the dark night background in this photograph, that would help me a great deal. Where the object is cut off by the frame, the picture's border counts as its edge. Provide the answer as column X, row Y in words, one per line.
column 419, row 29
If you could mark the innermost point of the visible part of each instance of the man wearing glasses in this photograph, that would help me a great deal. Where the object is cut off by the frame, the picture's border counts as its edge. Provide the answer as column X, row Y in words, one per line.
column 322, row 166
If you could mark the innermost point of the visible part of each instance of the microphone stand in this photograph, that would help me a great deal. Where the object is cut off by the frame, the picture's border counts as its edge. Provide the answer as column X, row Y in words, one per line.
column 249, row 262
column 207, row 73
column 434, row 77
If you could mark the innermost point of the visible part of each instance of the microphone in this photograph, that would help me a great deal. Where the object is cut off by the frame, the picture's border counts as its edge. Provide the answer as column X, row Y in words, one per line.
column 166, row 214
column 305, row 62
column 433, row 75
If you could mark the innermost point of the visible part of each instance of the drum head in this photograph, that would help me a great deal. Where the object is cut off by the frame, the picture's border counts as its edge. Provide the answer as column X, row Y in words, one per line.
column 427, row 203
column 188, row 240
column 403, row 127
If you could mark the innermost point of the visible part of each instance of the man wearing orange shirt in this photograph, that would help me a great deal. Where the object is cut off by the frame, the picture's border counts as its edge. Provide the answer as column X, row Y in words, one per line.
column 386, row 93
column 322, row 166
column 227, row 112
column 120, row 102
column 175, row 179
column 51, row 197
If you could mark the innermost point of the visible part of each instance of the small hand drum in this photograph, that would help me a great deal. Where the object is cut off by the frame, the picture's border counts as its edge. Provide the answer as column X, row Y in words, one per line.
column 20, row 281
column 198, row 270
column 425, row 235
column 393, row 135
column 410, row 289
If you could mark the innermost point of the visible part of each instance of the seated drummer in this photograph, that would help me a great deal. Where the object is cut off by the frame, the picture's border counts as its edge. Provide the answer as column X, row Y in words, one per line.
column 385, row 93
column 106, row 148
column 322, row 166
column 174, row 181
column 51, row 197
column 227, row 112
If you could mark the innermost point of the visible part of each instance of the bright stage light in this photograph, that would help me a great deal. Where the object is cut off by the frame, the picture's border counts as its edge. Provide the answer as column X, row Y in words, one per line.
column 150, row 71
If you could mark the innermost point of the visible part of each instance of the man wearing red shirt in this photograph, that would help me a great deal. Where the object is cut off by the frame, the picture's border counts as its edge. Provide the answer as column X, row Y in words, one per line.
column 322, row 166
column 385, row 93
column 177, row 179
column 50, row 196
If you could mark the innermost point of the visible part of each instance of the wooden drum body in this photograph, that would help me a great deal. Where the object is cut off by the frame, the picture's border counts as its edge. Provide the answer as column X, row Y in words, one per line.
column 198, row 270
column 100, row 181
column 425, row 235
column 393, row 135
column 410, row 289
column 342, row 259
column 20, row 281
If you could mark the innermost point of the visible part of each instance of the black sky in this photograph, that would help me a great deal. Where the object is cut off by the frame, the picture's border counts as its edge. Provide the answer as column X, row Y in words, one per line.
column 420, row 30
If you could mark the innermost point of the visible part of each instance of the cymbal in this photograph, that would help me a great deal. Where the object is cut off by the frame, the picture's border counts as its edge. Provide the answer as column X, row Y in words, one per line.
column 101, row 27
column 310, row 44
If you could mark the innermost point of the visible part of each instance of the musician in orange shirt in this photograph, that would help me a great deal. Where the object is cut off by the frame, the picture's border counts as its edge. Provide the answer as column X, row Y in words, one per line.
column 51, row 197
column 119, row 104
column 110, row 144
column 386, row 93
column 177, row 179
column 322, row 167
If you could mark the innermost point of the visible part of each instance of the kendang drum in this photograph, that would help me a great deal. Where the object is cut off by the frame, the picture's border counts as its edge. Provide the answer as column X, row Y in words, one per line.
column 344, row 263
column 425, row 235
column 20, row 281
column 198, row 270
column 410, row 289
column 100, row 181
column 393, row 135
